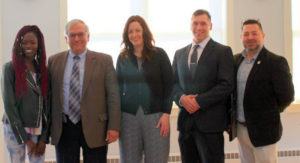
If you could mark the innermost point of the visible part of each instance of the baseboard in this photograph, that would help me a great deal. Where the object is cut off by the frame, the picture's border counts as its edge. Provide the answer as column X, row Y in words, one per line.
column 229, row 155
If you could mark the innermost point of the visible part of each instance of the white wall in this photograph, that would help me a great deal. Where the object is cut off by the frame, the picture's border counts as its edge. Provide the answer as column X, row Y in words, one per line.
column 43, row 13
column 2, row 151
column 269, row 12
column 275, row 16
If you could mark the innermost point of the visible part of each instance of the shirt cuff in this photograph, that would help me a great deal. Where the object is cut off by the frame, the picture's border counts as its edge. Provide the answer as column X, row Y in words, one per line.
column 180, row 100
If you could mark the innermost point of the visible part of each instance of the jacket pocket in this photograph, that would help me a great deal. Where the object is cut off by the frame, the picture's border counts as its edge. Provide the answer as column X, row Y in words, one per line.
column 102, row 117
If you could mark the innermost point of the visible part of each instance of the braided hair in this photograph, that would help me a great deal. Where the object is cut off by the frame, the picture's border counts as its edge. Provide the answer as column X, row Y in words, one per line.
column 18, row 60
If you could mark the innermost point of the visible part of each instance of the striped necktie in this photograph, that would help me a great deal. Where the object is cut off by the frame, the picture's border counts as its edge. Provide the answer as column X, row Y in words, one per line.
column 194, row 59
column 74, row 92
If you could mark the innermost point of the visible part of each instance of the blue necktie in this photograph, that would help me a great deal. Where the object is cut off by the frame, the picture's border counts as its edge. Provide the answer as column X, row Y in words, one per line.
column 74, row 92
column 194, row 60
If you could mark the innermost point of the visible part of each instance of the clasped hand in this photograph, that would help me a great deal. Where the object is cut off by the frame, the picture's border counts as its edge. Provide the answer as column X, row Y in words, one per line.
column 189, row 103
column 36, row 150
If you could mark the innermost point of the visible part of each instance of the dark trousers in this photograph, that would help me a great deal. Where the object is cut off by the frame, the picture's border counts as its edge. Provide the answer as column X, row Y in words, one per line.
column 68, row 148
column 199, row 147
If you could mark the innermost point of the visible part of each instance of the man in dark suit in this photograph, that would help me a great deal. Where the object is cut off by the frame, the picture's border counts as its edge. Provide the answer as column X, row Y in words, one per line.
column 85, row 99
column 204, row 79
column 264, row 89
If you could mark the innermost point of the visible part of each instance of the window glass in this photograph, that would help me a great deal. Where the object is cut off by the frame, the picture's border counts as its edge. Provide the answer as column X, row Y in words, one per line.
column 169, row 21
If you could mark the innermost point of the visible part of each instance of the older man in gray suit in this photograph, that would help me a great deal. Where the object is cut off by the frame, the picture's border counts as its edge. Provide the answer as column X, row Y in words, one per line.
column 85, row 99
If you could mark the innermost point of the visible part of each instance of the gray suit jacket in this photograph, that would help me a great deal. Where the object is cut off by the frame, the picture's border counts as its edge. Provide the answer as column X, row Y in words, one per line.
column 213, row 82
column 100, row 102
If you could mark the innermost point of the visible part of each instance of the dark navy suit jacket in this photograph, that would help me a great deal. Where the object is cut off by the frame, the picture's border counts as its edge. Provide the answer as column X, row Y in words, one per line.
column 213, row 82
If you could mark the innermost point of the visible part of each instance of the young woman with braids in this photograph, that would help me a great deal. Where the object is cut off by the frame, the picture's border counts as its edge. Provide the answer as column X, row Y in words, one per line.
column 24, row 92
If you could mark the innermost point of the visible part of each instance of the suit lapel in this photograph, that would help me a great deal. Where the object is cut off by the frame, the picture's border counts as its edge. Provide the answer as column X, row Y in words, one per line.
column 186, row 58
column 185, row 65
column 257, row 65
column 88, row 70
column 238, row 62
column 207, row 50
column 61, row 72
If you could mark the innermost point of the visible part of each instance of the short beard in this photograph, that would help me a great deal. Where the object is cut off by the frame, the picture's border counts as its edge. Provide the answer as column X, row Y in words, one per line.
column 255, row 49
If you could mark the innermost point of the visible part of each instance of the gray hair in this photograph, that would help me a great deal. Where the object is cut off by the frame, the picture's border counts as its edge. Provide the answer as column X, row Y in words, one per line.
column 75, row 21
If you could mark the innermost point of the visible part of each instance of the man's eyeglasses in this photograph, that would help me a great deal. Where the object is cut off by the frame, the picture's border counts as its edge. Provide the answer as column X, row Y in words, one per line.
column 73, row 35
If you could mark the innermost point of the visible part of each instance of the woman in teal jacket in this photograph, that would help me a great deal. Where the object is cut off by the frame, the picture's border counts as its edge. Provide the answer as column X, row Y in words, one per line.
column 24, row 91
column 146, row 80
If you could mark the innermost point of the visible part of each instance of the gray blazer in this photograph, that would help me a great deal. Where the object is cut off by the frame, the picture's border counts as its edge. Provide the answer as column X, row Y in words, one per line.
column 100, row 103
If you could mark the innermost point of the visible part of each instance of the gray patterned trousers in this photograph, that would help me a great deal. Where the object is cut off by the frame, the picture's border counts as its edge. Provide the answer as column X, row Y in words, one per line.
column 139, row 137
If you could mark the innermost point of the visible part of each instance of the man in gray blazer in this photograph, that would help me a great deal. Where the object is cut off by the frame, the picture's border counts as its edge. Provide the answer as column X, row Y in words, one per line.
column 85, row 99
column 204, row 79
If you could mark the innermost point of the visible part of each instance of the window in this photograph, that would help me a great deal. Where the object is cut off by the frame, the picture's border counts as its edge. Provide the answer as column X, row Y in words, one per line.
column 296, row 48
column 169, row 21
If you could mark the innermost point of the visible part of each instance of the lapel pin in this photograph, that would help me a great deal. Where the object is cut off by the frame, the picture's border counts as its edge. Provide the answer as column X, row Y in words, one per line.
column 258, row 62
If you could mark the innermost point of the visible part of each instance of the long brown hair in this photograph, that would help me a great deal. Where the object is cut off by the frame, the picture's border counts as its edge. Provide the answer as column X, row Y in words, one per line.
column 18, row 60
column 148, row 48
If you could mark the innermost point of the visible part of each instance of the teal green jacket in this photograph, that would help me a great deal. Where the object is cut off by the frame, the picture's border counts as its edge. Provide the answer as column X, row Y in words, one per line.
column 150, row 88
column 25, row 111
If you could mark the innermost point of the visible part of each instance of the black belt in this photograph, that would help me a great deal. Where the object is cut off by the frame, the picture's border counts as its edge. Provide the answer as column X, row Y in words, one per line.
column 66, row 119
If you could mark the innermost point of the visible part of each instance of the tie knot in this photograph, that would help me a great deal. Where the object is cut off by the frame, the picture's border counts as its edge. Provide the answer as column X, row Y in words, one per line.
column 76, row 57
column 196, row 46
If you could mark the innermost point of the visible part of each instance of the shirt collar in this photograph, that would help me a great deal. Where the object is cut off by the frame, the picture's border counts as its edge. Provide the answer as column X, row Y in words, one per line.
column 244, row 54
column 81, row 55
column 202, row 44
